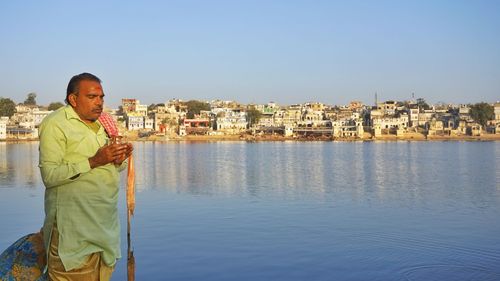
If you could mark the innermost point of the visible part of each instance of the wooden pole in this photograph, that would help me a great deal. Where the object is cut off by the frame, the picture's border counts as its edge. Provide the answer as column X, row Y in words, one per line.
column 130, row 212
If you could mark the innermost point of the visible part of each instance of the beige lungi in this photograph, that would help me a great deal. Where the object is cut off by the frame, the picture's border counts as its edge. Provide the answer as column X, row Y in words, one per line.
column 93, row 269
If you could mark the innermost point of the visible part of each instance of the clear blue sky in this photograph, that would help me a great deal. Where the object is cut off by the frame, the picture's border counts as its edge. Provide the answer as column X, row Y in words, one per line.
column 254, row 51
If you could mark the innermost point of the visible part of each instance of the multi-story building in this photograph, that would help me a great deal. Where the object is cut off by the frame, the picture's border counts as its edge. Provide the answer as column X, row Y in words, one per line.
column 292, row 115
column 314, row 106
column 330, row 113
column 141, row 109
column 3, row 127
column 344, row 113
column 232, row 122
column 355, row 106
column 135, row 122
column 347, row 128
column 425, row 117
column 195, row 126
column 387, row 108
column 496, row 122
column 149, row 123
column 129, row 105
column 464, row 112
column 413, row 112
column 400, row 122
column 496, row 110
column 266, row 120
column 436, row 127
column 165, row 120
column 268, row 112
column 278, row 117
column 312, row 118
column 39, row 115
column 23, row 117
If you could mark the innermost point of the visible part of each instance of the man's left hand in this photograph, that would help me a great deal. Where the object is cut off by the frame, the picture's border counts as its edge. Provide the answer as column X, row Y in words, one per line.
column 124, row 155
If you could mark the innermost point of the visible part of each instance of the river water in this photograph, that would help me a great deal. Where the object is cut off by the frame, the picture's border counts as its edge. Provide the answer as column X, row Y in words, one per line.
column 294, row 210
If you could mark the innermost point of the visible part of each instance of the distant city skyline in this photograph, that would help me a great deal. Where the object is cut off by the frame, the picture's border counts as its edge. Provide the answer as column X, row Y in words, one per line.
column 254, row 51
column 115, row 106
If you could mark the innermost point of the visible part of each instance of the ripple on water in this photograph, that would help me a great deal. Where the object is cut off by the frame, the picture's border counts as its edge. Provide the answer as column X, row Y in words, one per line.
column 427, row 257
column 449, row 272
column 432, row 247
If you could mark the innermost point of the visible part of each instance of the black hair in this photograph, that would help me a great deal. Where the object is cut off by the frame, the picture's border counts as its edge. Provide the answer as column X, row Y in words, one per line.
column 74, row 83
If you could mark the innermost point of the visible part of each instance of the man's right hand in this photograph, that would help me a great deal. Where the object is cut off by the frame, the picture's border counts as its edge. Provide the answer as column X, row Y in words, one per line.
column 107, row 154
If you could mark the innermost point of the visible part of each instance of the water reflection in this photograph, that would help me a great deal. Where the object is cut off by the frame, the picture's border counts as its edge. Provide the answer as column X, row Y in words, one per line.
column 408, row 171
column 405, row 171
column 130, row 252
column 292, row 210
column 18, row 165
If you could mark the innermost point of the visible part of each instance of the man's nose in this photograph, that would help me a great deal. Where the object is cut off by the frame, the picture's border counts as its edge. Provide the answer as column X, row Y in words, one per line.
column 99, row 100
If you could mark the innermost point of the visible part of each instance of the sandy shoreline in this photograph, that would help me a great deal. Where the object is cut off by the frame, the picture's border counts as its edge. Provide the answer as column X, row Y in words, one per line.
column 266, row 138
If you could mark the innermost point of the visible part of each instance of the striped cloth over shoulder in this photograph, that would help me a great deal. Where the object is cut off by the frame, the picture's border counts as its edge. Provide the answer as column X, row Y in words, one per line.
column 109, row 124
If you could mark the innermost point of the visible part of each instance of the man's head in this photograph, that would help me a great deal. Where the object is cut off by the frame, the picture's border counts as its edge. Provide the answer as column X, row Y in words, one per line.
column 85, row 95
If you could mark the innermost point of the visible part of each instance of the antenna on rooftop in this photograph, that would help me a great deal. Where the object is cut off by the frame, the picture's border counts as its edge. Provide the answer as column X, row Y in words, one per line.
column 376, row 99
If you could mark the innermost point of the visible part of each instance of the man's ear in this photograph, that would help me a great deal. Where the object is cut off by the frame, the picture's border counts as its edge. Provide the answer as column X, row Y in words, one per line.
column 72, row 100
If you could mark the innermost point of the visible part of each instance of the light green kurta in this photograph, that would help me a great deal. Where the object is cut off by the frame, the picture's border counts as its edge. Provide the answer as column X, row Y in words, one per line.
column 82, row 200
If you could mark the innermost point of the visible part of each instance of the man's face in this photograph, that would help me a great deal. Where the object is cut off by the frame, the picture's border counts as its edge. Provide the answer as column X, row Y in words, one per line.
column 89, row 101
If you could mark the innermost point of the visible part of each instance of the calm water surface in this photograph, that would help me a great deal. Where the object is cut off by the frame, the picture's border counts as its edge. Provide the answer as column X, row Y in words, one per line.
column 295, row 210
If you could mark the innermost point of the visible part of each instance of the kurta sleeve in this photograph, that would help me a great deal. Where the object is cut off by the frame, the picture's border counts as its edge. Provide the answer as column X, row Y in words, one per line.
column 55, row 171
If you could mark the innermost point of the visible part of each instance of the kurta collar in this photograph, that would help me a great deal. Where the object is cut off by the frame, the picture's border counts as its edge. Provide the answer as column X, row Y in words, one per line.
column 71, row 114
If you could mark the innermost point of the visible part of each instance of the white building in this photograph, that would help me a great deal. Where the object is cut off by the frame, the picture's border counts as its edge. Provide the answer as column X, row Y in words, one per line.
column 278, row 117
column 141, row 109
column 387, row 108
column 425, row 117
column 400, row 122
column 135, row 122
column 413, row 115
column 347, row 128
column 22, row 108
column 3, row 127
column 39, row 115
column 149, row 123
column 266, row 121
column 232, row 122
column 292, row 115
column 312, row 118
column 497, row 112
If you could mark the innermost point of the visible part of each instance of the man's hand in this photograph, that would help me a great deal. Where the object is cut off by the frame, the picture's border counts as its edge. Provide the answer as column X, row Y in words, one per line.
column 125, row 155
column 112, row 153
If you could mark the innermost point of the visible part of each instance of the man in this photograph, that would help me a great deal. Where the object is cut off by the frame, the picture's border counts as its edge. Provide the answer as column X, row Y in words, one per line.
column 80, row 169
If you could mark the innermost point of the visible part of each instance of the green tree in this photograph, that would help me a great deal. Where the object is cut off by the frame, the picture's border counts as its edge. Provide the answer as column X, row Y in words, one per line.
column 253, row 116
column 55, row 105
column 194, row 107
column 422, row 104
column 152, row 107
column 482, row 112
column 120, row 111
column 7, row 107
column 169, row 121
column 31, row 99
